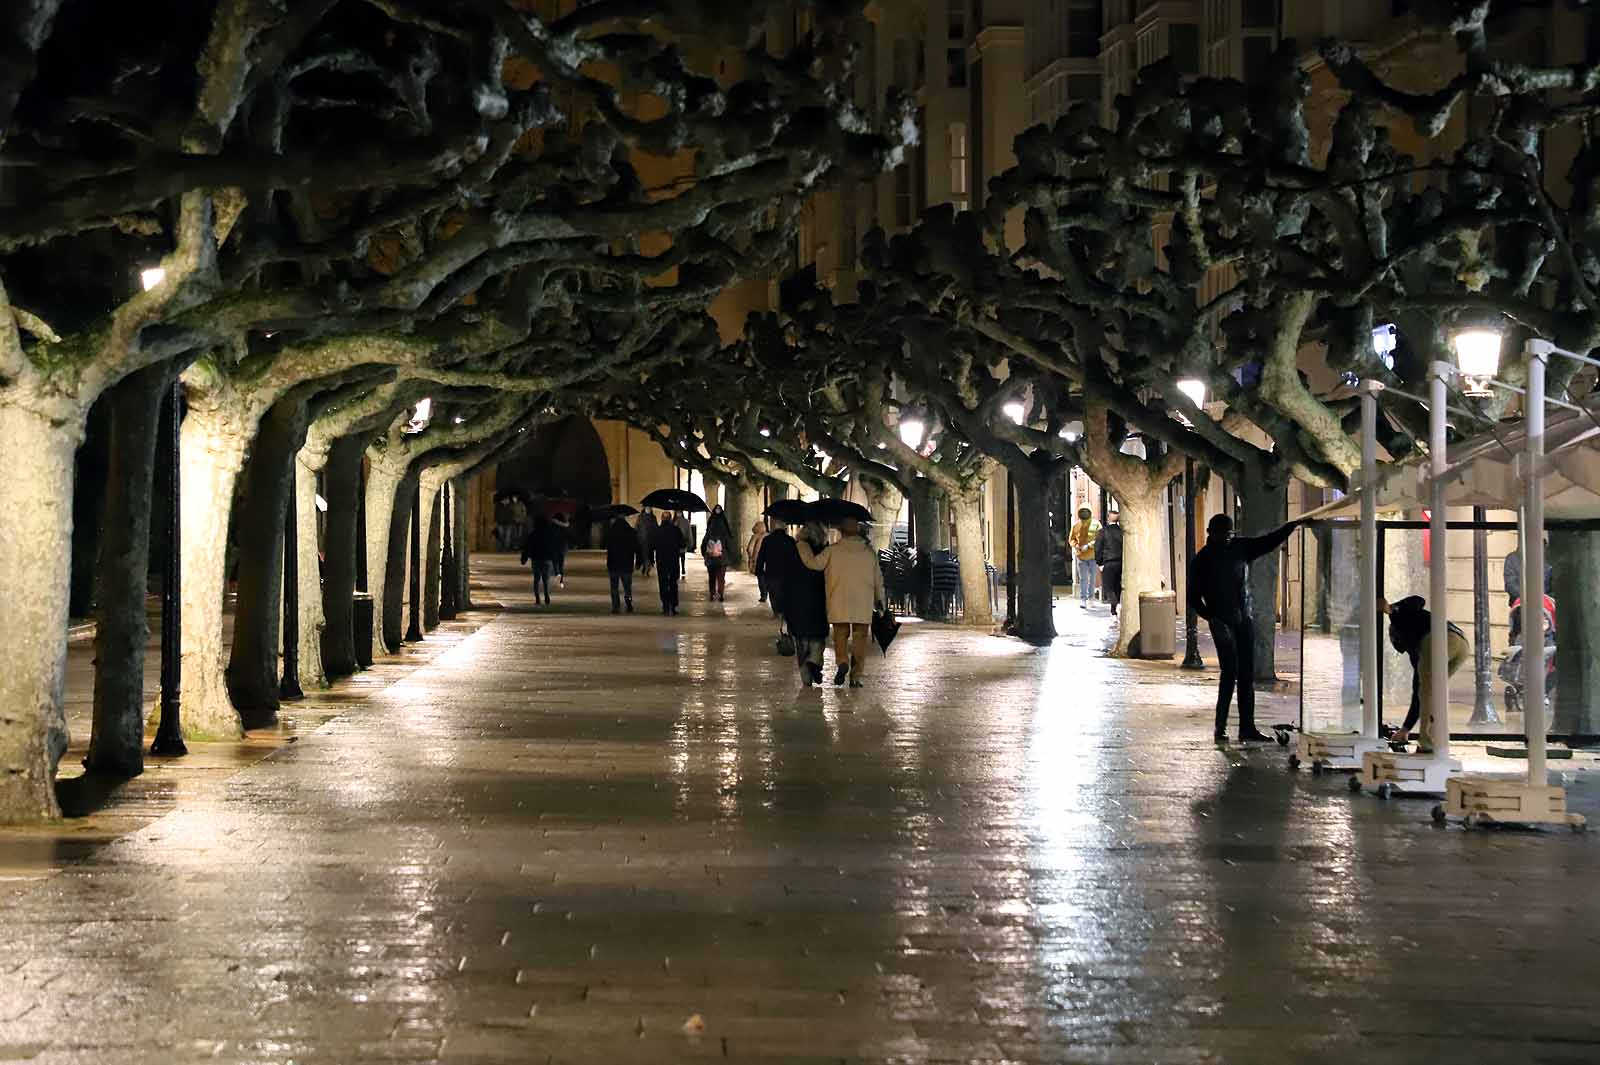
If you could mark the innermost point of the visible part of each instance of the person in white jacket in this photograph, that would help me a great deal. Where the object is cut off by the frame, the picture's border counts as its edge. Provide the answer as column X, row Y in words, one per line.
column 855, row 589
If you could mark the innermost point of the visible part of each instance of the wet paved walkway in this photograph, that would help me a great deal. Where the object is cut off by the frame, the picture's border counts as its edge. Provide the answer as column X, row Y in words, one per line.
column 568, row 834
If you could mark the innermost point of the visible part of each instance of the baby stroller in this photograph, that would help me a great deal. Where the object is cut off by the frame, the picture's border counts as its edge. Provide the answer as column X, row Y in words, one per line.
column 1511, row 668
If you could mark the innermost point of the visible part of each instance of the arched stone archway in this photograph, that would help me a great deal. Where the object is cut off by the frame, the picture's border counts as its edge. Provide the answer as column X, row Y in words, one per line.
column 566, row 458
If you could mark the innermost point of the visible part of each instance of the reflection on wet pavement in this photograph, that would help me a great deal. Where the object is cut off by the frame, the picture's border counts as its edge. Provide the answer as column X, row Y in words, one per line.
column 570, row 833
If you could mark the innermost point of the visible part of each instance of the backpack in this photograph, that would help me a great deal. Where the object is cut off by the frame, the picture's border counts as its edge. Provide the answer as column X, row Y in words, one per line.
column 713, row 548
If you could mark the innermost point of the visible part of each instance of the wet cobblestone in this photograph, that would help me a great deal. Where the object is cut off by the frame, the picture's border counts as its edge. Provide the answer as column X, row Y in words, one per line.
column 570, row 833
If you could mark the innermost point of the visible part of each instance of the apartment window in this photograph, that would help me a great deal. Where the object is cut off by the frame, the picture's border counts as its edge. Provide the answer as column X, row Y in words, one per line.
column 956, row 67
column 1183, row 45
column 1083, row 29
column 1260, row 14
column 960, row 188
column 1257, row 58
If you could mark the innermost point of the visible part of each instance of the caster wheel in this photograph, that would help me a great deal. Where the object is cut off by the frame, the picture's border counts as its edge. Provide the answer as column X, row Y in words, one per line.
column 1316, row 769
column 1355, row 783
column 1385, row 790
column 1438, row 813
column 1294, row 762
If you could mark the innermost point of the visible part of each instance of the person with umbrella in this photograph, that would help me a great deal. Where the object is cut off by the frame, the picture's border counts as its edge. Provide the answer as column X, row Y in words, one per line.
column 622, row 551
column 647, row 538
column 801, row 593
column 854, row 581
column 668, row 548
column 714, row 550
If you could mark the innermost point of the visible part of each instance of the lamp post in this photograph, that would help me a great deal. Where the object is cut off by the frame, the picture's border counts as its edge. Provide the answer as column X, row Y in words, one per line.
column 1191, row 622
column 169, row 730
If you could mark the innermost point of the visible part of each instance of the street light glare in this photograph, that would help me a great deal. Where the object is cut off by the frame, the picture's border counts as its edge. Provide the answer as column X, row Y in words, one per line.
column 1195, row 389
column 152, row 277
column 1015, row 411
column 1478, row 357
column 911, row 432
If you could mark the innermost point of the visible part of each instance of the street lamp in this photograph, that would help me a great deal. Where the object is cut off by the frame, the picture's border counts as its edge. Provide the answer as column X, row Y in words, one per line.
column 152, row 277
column 1384, row 342
column 1015, row 411
column 912, row 431
column 1195, row 389
column 1478, row 357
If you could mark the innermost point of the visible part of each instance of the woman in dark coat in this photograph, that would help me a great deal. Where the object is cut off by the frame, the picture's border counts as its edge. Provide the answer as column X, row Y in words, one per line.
column 804, row 604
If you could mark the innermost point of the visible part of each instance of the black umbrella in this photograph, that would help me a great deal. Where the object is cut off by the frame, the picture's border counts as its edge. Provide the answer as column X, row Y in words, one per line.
column 884, row 627
column 790, row 511
column 674, row 499
column 614, row 510
column 834, row 511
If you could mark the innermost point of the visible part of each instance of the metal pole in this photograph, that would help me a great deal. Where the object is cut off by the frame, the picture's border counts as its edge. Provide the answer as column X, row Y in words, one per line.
column 1369, row 559
column 289, row 684
column 1533, row 572
column 1438, row 584
column 169, row 731
column 1191, row 621
column 414, row 626
column 1483, row 712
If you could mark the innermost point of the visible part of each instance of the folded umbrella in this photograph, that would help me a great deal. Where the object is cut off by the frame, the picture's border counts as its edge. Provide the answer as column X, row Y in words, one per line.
column 790, row 511
column 884, row 627
column 834, row 511
column 674, row 499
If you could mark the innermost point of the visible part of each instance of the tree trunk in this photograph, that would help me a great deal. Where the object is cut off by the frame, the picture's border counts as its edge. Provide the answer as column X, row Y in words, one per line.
column 90, row 481
column 341, row 479
column 1575, row 577
column 116, row 738
column 1263, row 506
column 431, row 554
column 1142, row 522
column 383, row 492
column 744, row 510
column 309, row 600
column 1036, row 608
column 253, row 672
column 35, row 560
column 458, row 496
column 977, row 612
column 396, row 557
column 212, row 447
column 925, row 515
column 884, row 500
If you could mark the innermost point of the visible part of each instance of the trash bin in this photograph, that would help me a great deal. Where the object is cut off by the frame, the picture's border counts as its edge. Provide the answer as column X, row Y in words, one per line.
column 1158, row 624
column 363, row 627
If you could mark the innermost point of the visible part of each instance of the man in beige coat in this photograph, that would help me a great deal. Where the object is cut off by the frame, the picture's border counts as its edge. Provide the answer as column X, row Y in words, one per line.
column 855, row 588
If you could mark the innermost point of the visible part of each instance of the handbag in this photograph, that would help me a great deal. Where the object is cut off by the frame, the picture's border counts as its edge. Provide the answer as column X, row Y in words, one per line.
column 785, row 643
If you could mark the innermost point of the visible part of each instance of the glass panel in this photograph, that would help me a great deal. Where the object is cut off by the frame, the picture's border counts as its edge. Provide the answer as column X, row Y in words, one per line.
column 1330, row 623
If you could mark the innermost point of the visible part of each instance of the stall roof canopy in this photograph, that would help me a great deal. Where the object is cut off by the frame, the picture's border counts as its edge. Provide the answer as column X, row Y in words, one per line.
column 1484, row 471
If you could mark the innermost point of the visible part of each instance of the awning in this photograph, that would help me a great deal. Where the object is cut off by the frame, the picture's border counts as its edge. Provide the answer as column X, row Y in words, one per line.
column 1484, row 471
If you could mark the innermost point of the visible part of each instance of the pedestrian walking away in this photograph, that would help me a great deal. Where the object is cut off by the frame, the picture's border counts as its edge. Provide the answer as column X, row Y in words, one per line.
column 686, row 532
column 622, row 552
column 802, row 593
column 1108, row 556
column 536, row 548
column 1081, row 539
column 647, row 539
column 714, row 550
column 668, row 548
column 777, row 562
column 1219, row 591
column 752, row 551
column 854, row 581
column 558, row 548
column 1410, row 622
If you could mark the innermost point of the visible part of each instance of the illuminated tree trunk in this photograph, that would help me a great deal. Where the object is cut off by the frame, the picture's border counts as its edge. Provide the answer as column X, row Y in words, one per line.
column 744, row 510
column 212, row 448
column 1036, row 613
column 35, row 557
column 431, row 553
column 884, row 500
column 967, row 508
column 309, row 600
column 383, row 488
column 116, row 738
column 1142, row 521
column 458, row 493
column 397, row 554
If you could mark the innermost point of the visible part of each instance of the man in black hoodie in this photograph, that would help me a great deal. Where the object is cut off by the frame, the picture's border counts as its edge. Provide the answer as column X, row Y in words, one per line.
column 1219, row 590
column 622, row 550
column 668, row 547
